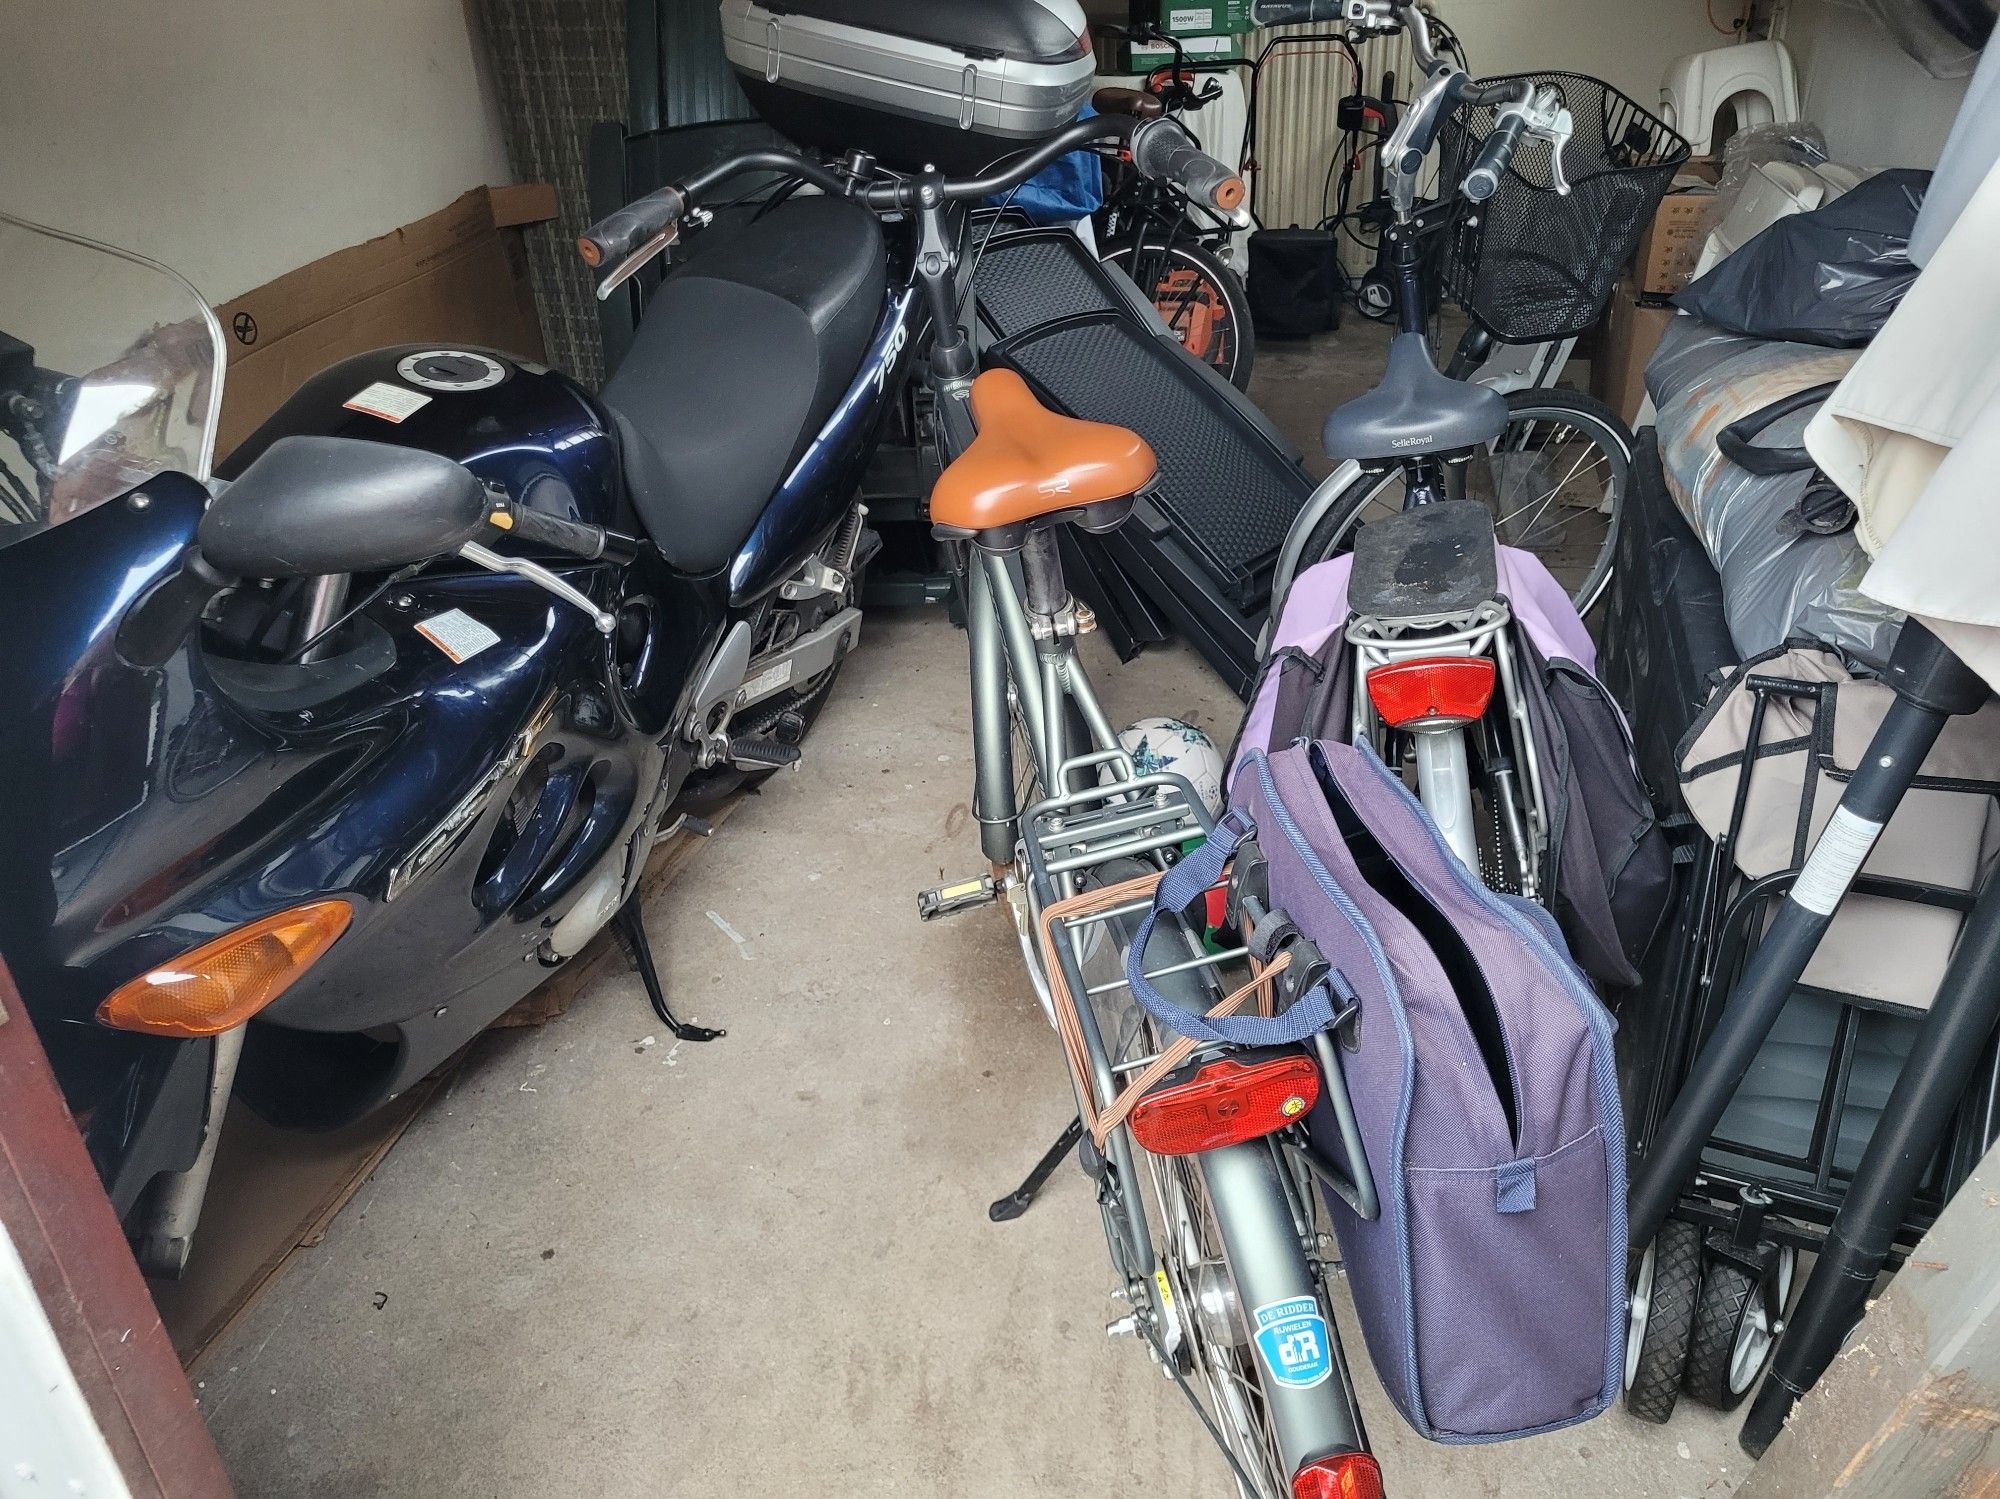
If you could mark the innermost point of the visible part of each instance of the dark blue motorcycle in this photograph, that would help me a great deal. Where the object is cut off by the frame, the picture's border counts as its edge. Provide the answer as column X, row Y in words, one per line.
column 318, row 765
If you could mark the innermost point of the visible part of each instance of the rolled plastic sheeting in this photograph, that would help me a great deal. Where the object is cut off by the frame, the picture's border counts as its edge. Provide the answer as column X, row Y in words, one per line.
column 1778, row 582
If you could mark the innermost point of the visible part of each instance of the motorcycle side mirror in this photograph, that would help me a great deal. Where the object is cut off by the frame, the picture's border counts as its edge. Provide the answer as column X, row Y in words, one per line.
column 306, row 506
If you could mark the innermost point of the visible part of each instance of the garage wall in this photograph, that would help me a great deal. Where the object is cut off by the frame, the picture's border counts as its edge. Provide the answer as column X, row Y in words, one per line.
column 1628, row 43
column 238, row 139
column 1877, row 107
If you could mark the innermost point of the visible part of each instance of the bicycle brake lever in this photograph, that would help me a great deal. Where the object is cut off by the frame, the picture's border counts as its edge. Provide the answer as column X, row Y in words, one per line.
column 1558, row 129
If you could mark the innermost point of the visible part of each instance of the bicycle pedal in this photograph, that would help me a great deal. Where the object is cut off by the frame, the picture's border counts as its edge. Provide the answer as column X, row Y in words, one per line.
column 962, row 895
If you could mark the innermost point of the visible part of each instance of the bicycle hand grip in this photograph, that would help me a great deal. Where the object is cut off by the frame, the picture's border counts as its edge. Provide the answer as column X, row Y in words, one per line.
column 538, row 526
column 1484, row 179
column 153, row 628
column 1163, row 150
column 616, row 235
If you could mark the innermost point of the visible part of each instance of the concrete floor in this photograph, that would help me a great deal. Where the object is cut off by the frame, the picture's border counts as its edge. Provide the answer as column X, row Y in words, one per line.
column 606, row 1264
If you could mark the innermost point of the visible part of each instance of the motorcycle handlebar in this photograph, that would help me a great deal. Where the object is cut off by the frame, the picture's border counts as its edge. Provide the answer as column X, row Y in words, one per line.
column 624, row 230
column 1160, row 149
column 576, row 538
column 153, row 629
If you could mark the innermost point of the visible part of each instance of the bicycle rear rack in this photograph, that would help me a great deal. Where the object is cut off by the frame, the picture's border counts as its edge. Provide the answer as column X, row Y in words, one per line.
column 1074, row 834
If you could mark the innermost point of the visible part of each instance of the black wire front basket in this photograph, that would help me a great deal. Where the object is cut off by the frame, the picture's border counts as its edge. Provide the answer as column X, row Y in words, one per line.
column 1530, row 263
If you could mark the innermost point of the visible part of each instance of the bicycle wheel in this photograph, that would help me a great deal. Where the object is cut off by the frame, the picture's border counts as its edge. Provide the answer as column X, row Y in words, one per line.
column 1204, row 1328
column 1201, row 299
column 1555, row 481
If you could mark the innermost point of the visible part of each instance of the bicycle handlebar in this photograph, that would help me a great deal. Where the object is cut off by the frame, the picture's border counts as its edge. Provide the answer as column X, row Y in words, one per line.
column 1296, row 12
column 1171, row 155
column 1497, row 150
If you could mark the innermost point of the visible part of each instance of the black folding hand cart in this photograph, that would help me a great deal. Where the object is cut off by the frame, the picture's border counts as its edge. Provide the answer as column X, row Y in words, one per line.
column 1780, row 1107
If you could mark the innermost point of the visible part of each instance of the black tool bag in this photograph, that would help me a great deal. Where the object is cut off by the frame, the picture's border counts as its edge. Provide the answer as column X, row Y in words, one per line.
column 1296, row 284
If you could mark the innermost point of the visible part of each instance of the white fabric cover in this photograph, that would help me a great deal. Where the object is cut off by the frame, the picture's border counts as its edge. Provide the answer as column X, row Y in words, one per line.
column 1912, row 434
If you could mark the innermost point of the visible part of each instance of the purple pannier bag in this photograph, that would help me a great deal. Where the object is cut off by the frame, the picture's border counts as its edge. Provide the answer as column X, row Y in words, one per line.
column 1612, row 869
column 1490, row 1286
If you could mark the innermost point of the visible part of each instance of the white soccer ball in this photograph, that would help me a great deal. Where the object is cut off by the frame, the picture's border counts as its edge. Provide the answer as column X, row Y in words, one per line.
column 1177, row 748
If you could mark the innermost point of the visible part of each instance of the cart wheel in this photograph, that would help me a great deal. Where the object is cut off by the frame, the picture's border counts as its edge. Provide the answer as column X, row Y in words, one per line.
column 1733, row 1331
column 1656, row 1342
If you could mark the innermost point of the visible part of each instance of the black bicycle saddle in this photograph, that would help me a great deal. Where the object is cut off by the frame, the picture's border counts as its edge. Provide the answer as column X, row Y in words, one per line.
column 1415, row 410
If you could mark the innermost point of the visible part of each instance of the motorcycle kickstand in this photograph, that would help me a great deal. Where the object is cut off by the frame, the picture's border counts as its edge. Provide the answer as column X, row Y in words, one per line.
column 1018, row 1201
column 631, row 926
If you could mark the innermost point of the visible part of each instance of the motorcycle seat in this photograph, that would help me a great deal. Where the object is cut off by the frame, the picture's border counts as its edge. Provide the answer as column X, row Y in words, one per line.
column 741, row 356
column 1030, row 465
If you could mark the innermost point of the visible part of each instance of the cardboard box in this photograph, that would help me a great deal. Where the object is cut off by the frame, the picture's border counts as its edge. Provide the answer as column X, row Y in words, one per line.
column 1631, row 330
column 1205, row 17
column 1143, row 57
column 457, row 276
column 1668, row 250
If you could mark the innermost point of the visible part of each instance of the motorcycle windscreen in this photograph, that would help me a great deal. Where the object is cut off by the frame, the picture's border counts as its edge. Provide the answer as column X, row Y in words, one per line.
column 110, row 374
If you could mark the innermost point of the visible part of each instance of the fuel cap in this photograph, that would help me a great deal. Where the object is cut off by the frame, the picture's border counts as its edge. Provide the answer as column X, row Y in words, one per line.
column 452, row 369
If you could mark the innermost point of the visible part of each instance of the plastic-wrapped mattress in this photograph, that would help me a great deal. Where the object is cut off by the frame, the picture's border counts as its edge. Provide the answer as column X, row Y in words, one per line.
column 1780, row 581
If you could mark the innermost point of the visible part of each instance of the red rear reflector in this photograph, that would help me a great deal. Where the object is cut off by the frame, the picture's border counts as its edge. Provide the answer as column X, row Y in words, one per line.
column 1226, row 1103
column 1346, row 1475
column 1432, row 691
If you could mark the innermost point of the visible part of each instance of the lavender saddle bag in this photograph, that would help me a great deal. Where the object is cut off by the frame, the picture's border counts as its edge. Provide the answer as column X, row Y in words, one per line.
column 1490, row 1282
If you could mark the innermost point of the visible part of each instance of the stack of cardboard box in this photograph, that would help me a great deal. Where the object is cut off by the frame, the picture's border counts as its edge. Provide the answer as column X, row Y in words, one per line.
column 1640, row 310
column 1209, row 31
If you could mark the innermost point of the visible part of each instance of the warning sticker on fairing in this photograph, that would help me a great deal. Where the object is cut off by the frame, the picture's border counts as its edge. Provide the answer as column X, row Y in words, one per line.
column 457, row 634
column 392, row 403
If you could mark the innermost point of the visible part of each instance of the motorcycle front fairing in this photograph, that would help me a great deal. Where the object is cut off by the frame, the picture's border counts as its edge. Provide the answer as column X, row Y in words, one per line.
column 76, row 752
column 153, row 811
column 477, row 792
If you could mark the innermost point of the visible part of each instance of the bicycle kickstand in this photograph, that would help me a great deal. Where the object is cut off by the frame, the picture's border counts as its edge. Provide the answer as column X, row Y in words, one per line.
column 1018, row 1201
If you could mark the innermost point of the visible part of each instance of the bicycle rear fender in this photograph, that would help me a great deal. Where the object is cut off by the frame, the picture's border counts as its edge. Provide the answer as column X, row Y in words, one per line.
column 1301, row 1366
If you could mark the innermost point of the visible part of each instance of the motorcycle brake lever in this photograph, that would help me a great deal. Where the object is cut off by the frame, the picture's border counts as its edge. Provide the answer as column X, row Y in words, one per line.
column 542, row 578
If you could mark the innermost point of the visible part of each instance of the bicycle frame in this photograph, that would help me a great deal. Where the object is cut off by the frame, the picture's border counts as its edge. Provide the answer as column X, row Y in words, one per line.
column 1097, row 815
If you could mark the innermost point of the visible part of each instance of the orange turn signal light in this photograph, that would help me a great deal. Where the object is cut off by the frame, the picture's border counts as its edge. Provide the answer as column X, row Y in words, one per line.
column 223, row 983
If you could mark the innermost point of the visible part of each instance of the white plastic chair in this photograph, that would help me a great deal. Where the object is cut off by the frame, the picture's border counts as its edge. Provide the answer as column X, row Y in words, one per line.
column 1756, row 80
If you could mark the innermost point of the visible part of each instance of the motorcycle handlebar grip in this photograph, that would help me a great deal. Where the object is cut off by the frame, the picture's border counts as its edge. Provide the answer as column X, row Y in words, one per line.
column 574, row 537
column 1294, row 12
column 1484, row 179
column 1161, row 149
column 154, row 627
column 618, row 234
